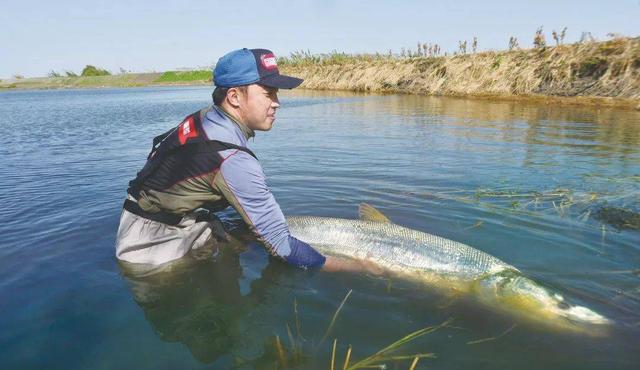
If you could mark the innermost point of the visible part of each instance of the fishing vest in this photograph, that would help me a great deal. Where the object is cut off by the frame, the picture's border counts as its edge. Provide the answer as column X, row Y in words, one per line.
column 180, row 153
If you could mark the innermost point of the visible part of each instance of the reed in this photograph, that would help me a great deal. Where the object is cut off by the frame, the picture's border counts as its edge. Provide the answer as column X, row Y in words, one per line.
column 334, row 317
column 294, row 356
column 387, row 353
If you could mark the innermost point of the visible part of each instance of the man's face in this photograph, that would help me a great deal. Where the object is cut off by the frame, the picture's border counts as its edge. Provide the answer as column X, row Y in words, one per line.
column 258, row 107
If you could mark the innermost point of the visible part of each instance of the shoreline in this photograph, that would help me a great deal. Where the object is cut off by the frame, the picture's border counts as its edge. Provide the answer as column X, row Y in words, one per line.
column 596, row 74
column 580, row 101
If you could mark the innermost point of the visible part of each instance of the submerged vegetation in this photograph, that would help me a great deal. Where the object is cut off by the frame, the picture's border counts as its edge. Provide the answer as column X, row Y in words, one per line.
column 620, row 218
column 302, row 352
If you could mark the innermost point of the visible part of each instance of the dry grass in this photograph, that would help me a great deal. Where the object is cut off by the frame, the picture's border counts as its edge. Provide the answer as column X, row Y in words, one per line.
column 609, row 69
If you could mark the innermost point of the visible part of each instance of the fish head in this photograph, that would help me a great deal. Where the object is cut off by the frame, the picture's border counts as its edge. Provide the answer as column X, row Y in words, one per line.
column 515, row 292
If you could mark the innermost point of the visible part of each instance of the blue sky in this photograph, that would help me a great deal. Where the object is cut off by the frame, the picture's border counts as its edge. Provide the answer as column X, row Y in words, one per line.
column 142, row 36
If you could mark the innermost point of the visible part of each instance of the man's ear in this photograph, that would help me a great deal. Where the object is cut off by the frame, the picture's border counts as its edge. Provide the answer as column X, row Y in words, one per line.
column 233, row 97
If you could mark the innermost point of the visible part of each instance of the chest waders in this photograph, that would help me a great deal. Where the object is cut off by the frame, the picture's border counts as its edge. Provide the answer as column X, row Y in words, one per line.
column 170, row 161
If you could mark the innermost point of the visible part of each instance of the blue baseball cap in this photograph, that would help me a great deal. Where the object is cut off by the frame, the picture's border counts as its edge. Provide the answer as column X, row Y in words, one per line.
column 248, row 66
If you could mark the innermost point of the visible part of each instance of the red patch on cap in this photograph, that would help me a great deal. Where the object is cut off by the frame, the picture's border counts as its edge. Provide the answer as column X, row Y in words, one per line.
column 268, row 61
column 186, row 130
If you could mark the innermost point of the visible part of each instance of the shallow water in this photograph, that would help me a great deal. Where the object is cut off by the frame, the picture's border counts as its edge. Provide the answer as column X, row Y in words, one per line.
column 521, row 182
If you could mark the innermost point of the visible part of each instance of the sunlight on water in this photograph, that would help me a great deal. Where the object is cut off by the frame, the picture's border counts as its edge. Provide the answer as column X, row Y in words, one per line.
column 553, row 191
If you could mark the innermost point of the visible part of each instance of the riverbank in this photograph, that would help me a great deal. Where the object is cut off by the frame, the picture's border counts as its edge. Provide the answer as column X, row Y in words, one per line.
column 590, row 73
column 121, row 80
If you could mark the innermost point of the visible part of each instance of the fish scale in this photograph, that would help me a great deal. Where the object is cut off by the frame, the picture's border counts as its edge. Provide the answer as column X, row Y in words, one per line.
column 393, row 244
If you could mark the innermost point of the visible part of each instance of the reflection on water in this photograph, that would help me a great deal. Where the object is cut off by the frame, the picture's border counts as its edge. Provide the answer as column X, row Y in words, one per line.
column 198, row 301
column 551, row 190
column 199, row 306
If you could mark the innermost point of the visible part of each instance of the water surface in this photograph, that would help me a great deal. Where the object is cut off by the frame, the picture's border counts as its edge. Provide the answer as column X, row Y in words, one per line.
column 521, row 182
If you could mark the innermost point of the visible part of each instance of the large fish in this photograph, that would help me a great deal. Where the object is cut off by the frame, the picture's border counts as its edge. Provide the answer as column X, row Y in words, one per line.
column 440, row 262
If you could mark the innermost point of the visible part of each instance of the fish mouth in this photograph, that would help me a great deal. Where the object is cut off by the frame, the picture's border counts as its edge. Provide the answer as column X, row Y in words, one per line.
column 584, row 315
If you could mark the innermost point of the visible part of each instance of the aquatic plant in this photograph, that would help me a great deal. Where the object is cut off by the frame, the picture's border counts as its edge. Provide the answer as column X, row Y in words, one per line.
column 386, row 354
column 618, row 217
column 296, row 356
column 562, row 202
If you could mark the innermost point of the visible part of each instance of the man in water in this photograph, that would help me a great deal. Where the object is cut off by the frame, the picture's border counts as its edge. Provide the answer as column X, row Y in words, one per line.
column 203, row 165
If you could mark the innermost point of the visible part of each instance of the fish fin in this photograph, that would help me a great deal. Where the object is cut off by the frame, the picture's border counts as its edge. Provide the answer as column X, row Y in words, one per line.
column 368, row 213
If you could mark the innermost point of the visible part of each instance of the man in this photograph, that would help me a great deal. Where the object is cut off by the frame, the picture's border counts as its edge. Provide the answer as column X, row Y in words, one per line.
column 204, row 165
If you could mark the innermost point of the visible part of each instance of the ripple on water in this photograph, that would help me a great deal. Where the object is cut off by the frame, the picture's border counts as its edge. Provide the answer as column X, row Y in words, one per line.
column 421, row 160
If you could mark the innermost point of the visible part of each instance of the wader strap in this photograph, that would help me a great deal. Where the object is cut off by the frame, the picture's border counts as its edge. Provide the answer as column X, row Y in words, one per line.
column 135, row 185
column 163, row 217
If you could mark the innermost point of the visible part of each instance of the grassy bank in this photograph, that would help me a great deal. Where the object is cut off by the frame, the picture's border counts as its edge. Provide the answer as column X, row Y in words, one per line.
column 600, row 73
column 588, row 73
column 121, row 80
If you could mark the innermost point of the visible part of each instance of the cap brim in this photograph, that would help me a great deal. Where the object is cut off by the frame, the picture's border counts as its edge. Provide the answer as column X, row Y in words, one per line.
column 280, row 81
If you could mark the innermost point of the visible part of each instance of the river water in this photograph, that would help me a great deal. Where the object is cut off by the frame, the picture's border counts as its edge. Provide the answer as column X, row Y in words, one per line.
column 551, row 190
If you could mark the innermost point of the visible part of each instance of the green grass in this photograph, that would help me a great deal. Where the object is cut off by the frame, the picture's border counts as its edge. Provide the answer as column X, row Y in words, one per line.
column 186, row 76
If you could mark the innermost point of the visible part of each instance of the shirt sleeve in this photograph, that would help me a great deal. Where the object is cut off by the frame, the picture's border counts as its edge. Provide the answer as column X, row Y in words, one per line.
column 243, row 183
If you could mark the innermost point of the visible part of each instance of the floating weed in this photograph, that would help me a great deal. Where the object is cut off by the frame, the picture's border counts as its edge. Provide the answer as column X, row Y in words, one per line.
column 562, row 202
column 476, row 225
column 585, row 215
column 618, row 217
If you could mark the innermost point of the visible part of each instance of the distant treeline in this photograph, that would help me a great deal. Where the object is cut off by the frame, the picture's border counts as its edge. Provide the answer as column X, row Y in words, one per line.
column 88, row 70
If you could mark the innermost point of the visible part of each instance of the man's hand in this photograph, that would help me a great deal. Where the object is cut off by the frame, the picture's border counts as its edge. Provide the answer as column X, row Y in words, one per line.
column 333, row 264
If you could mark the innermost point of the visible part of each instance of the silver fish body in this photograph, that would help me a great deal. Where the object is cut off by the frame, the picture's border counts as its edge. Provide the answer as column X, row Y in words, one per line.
column 439, row 261
column 396, row 247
